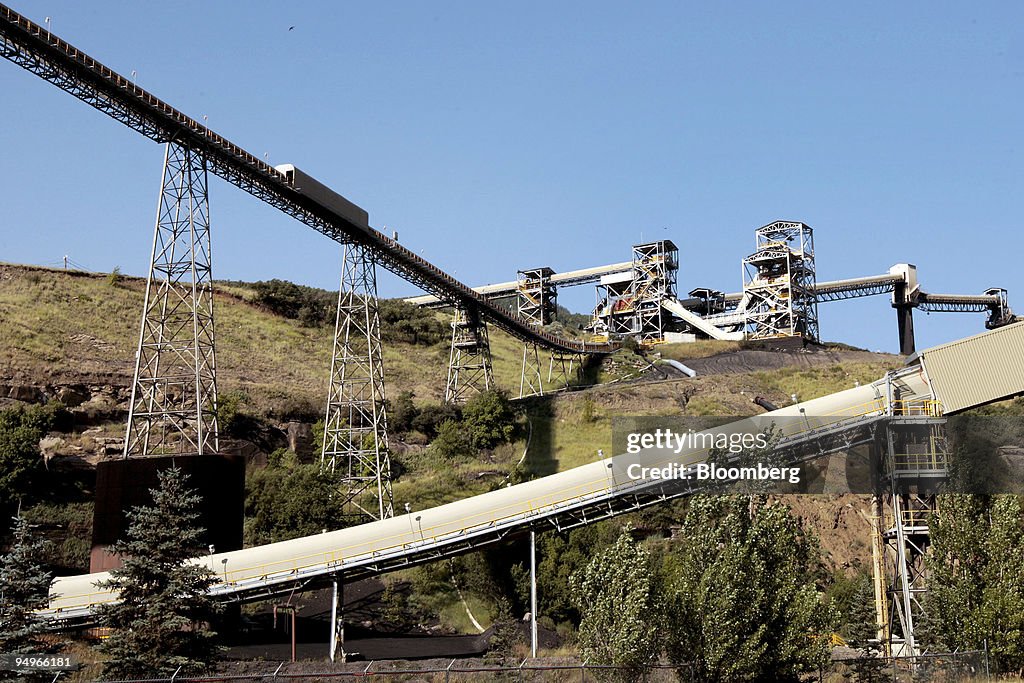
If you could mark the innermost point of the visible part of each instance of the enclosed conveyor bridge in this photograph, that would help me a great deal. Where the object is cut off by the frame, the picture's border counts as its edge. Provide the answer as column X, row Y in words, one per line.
column 34, row 48
column 957, row 376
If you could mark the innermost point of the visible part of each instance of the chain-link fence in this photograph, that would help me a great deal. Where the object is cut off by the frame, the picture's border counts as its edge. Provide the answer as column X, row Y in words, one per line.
column 969, row 666
column 950, row 667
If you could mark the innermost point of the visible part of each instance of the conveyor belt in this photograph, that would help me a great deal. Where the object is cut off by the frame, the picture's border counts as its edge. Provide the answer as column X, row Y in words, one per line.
column 34, row 48
column 577, row 496
column 567, row 279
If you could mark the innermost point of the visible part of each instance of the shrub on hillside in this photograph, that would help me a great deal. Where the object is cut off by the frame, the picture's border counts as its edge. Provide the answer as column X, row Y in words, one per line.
column 403, row 322
column 311, row 307
column 430, row 417
column 489, row 419
column 20, row 460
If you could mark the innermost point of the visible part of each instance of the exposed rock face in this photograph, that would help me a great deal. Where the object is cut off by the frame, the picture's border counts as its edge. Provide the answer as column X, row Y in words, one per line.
column 27, row 393
column 300, row 439
column 73, row 396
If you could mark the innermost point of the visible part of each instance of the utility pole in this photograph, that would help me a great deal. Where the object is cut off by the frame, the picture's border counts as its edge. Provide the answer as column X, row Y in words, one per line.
column 337, row 619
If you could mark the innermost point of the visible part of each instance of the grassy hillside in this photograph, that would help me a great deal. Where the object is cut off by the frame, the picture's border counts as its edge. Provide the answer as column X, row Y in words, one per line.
column 63, row 329
column 69, row 327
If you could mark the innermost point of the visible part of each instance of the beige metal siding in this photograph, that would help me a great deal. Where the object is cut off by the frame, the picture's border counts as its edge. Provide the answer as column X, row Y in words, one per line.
column 977, row 370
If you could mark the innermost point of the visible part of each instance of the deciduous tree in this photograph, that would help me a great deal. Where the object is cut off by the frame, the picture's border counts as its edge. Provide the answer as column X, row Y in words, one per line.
column 743, row 600
column 617, row 594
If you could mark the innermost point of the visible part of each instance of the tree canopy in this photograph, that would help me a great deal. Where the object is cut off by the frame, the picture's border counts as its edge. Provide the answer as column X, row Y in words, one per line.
column 161, row 620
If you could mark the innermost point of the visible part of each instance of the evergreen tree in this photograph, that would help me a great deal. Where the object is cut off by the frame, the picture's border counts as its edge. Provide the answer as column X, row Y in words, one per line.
column 742, row 593
column 863, row 630
column 161, row 620
column 24, row 589
column 505, row 636
column 617, row 594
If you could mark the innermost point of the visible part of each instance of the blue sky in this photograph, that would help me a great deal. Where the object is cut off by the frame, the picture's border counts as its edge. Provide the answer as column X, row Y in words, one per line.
column 496, row 137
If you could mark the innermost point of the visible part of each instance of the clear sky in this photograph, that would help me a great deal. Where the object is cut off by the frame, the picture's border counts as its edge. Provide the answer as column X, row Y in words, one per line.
column 495, row 137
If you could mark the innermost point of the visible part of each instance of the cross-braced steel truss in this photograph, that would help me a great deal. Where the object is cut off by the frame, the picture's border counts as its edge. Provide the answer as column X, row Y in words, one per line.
column 915, row 461
column 174, row 390
column 655, row 268
column 631, row 306
column 536, row 296
column 356, row 427
column 530, row 382
column 779, row 283
column 565, row 368
column 469, row 361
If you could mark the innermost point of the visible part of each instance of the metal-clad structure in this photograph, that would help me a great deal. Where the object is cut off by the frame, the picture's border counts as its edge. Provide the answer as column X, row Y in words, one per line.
column 977, row 370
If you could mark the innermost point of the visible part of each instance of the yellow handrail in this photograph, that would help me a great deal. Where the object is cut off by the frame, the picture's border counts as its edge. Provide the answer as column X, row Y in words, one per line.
column 530, row 507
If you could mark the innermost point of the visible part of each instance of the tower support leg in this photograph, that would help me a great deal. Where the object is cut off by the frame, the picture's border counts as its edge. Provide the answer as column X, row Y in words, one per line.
column 565, row 366
column 337, row 620
column 905, row 325
column 533, row 594
column 530, row 383
column 355, row 426
column 173, row 406
column 469, row 361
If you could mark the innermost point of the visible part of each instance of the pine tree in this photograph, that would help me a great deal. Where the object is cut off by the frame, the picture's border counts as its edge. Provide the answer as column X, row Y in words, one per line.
column 618, row 594
column 161, row 620
column 869, row 668
column 505, row 636
column 24, row 589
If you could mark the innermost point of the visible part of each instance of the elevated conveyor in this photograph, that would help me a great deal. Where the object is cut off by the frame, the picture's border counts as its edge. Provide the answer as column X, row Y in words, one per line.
column 578, row 496
column 695, row 321
column 569, row 278
column 34, row 48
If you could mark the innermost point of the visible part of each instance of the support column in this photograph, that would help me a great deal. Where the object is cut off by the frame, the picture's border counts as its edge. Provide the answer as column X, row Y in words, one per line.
column 905, row 325
column 173, row 407
column 565, row 366
column 469, row 361
column 530, row 383
column 878, row 575
column 533, row 594
column 355, row 427
column 337, row 619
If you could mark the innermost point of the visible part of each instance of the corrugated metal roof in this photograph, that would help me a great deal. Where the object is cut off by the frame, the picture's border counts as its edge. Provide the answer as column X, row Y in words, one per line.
column 977, row 370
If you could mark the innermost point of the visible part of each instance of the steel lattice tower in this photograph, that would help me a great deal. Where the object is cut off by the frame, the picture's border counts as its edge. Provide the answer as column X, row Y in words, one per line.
column 469, row 361
column 779, row 283
column 915, row 461
column 655, row 268
column 535, row 301
column 536, row 297
column 173, row 406
column 355, row 427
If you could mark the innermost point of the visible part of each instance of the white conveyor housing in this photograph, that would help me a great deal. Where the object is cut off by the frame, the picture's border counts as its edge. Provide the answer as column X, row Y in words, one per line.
column 969, row 372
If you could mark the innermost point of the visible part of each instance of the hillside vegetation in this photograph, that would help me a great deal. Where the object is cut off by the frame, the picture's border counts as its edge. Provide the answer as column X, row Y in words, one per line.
column 71, row 336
